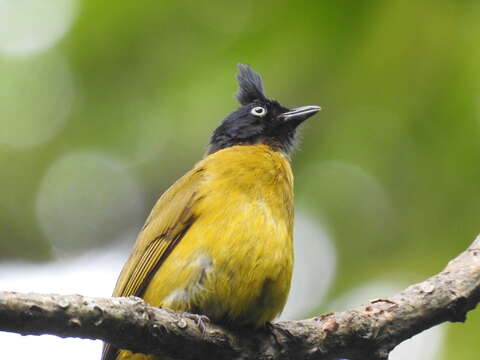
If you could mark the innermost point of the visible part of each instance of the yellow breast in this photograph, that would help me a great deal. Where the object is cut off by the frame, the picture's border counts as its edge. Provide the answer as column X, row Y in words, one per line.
column 235, row 262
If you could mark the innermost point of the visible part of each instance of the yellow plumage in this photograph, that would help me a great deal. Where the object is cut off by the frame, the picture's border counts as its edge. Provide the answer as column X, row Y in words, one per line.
column 219, row 241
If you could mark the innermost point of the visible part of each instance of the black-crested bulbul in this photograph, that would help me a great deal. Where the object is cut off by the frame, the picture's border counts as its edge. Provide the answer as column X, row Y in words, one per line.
column 219, row 241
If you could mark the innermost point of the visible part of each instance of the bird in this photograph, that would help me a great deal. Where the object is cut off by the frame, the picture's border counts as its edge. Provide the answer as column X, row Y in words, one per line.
column 219, row 242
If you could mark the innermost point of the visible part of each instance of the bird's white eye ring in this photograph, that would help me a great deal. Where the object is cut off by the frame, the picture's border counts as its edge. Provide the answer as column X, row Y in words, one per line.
column 258, row 111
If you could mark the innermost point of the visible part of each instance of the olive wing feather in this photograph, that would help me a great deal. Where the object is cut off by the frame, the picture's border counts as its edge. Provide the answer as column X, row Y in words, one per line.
column 169, row 220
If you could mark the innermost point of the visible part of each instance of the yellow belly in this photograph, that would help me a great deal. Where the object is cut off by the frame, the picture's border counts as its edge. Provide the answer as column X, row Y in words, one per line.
column 230, row 268
column 234, row 264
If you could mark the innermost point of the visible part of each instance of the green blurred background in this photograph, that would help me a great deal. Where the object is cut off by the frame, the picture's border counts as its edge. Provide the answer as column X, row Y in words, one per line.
column 103, row 104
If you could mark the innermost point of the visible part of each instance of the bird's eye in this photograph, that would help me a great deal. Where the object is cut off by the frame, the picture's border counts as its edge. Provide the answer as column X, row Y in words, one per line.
column 258, row 111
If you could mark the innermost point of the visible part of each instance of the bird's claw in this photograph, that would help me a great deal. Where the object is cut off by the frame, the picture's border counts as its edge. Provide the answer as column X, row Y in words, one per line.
column 200, row 320
column 273, row 329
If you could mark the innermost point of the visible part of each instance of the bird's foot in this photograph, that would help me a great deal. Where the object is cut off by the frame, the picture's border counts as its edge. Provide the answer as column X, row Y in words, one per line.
column 200, row 320
column 274, row 329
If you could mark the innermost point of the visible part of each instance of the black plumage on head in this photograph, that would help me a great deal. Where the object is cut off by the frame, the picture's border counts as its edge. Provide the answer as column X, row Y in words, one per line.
column 259, row 120
column 250, row 86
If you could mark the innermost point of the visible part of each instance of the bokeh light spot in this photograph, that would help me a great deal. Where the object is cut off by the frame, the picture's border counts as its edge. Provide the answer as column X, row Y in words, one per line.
column 349, row 192
column 36, row 95
column 315, row 261
column 86, row 199
column 29, row 26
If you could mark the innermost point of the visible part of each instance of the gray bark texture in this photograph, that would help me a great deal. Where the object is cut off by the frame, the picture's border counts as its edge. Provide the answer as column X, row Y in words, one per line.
column 368, row 332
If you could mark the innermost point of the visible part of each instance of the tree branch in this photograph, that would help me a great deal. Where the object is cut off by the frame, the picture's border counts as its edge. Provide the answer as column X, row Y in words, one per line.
column 368, row 332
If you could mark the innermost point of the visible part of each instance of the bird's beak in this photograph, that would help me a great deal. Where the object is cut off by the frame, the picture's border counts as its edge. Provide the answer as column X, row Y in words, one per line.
column 300, row 114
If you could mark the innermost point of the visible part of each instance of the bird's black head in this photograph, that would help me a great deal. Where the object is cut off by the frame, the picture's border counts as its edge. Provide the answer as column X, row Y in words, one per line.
column 259, row 120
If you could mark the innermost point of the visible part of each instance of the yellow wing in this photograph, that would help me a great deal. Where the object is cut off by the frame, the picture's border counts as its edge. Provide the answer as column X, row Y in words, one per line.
column 169, row 220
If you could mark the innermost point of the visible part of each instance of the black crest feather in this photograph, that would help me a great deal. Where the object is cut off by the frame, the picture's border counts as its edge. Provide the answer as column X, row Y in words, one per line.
column 250, row 86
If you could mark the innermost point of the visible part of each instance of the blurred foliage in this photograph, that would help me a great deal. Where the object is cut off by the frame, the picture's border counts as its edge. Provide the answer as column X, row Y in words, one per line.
column 391, row 166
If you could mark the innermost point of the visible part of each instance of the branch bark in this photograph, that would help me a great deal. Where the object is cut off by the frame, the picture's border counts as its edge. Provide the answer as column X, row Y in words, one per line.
column 367, row 332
